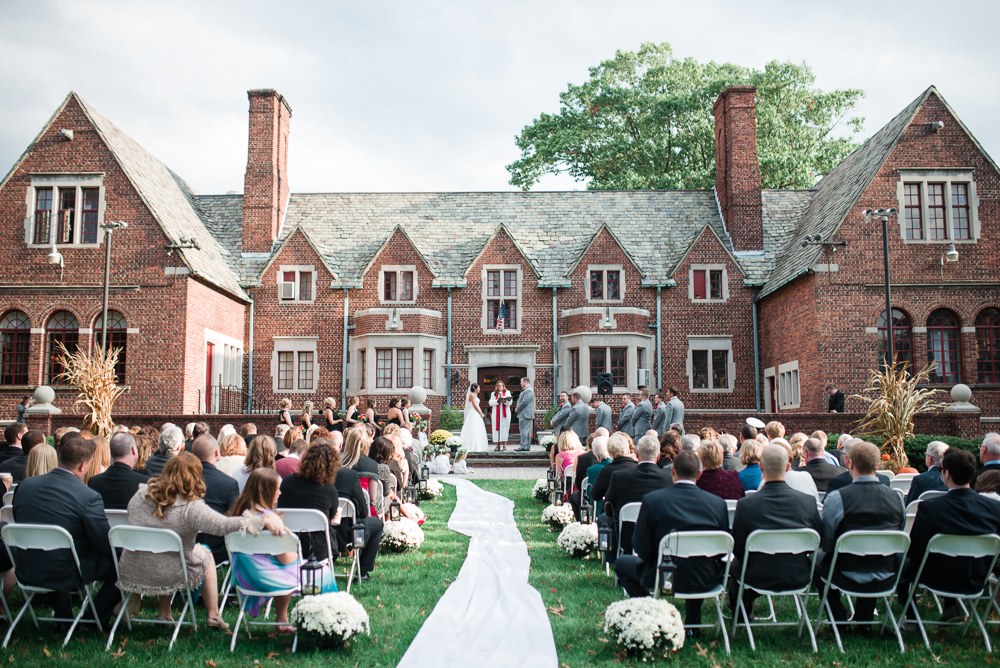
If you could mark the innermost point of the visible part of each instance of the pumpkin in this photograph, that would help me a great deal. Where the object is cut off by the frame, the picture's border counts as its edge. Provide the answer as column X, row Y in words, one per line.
column 886, row 457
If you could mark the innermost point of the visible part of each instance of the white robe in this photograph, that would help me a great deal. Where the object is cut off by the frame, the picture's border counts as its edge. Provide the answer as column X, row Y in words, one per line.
column 499, row 422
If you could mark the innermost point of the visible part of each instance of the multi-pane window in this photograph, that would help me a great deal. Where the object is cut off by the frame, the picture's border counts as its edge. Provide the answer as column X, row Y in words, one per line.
column 943, row 347
column 598, row 362
column 296, row 370
column 605, row 284
column 67, row 216
column 501, row 286
column 937, row 205
column 43, row 214
column 699, row 369
column 936, row 224
column 902, row 337
column 397, row 285
column 404, row 368
column 987, row 346
column 305, row 370
column 720, row 367
column 91, row 204
column 960, row 210
column 710, row 364
column 788, row 385
column 305, row 286
column 428, row 369
column 406, row 286
column 15, row 334
column 63, row 327
column 390, row 282
column 362, row 370
column 117, row 339
column 574, row 367
column 383, row 368
column 286, row 370
column 706, row 284
column 618, row 360
column 602, row 360
column 296, row 284
column 911, row 211
column 715, row 285
column 597, row 285
column 59, row 210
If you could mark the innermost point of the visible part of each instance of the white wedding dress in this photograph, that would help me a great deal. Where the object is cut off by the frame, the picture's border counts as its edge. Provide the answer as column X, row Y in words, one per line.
column 474, row 438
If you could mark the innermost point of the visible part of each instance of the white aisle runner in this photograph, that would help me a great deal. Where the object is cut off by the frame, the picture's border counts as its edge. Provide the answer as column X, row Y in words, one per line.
column 490, row 616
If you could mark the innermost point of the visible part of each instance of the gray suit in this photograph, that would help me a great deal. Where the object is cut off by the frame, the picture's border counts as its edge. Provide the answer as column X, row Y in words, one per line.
column 659, row 422
column 525, row 409
column 578, row 421
column 625, row 418
column 560, row 417
column 675, row 413
column 604, row 417
column 640, row 418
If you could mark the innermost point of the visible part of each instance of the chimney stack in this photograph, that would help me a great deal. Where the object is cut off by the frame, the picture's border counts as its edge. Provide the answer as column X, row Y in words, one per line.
column 265, row 189
column 737, row 170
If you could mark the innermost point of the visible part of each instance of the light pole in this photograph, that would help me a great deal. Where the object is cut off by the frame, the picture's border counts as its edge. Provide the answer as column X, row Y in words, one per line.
column 890, row 337
column 108, row 228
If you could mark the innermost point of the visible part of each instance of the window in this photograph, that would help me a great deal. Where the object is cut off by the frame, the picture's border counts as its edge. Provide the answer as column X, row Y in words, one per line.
column 937, row 205
column 960, row 210
column 65, row 208
column 305, row 370
column 605, row 283
column 294, row 366
column 598, row 357
column 708, row 283
column 63, row 327
column 699, row 366
column 286, row 370
column 406, row 286
column 574, row 367
column 597, row 285
column 295, row 284
column 788, row 385
column 935, row 211
column 710, row 363
column 429, row 369
column 715, row 285
column 720, row 369
column 605, row 359
column 305, row 286
column 902, row 337
column 987, row 346
column 619, row 357
column 943, row 347
column 43, row 214
column 91, row 201
column 15, row 334
column 501, row 288
column 383, row 367
column 389, row 287
column 117, row 338
column 911, row 209
column 404, row 368
column 398, row 283
column 362, row 371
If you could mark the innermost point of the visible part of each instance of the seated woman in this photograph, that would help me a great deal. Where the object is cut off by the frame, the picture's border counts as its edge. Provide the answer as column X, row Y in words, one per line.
column 714, row 479
column 41, row 460
column 175, row 501
column 312, row 486
column 670, row 445
column 102, row 458
column 382, row 451
column 234, row 452
column 600, row 449
column 264, row 571
column 569, row 449
column 260, row 455
column 750, row 453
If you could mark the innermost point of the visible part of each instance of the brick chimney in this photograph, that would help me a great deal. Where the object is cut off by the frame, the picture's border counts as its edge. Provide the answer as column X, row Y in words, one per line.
column 737, row 170
column 265, row 189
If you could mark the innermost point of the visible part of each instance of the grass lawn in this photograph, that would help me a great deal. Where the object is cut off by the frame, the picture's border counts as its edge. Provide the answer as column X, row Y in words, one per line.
column 403, row 591
column 580, row 591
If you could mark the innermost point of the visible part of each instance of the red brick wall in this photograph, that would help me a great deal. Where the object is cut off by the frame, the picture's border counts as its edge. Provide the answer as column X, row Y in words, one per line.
column 737, row 171
column 207, row 309
column 266, row 180
column 788, row 332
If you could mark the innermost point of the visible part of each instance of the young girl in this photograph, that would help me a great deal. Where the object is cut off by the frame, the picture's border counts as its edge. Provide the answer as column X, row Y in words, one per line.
column 442, row 463
column 461, row 467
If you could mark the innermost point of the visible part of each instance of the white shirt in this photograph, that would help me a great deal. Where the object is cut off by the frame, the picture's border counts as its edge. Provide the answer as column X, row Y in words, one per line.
column 800, row 481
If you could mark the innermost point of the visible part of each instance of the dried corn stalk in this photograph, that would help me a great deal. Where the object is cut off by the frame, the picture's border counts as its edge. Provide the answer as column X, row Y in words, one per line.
column 894, row 398
column 93, row 377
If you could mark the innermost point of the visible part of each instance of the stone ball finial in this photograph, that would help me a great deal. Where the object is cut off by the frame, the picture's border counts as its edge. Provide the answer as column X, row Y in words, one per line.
column 44, row 394
column 418, row 395
column 961, row 393
column 584, row 393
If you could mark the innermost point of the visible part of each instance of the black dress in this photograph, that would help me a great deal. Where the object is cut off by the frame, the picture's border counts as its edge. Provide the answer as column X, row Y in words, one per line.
column 330, row 426
column 282, row 416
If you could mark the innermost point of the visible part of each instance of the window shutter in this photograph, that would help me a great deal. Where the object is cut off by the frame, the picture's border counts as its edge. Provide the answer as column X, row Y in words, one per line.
column 699, row 284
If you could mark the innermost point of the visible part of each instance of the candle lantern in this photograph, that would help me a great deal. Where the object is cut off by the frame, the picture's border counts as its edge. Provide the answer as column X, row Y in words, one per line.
column 666, row 571
column 603, row 535
column 394, row 512
column 557, row 498
column 311, row 575
column 358, row 530
column 425, row 471
column 585, row 513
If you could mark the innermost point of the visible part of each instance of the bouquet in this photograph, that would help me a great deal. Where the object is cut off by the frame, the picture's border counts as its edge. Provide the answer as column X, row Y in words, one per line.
column 439, row 436
column 557, row 516
column 361, row 417
column 454, row 442
column 579, row 540
column 402, row 535
column 548, row 442
column 541, row 490
column 414, row 511
column 419, row 422
column 381, row 424
column 645, row 626
column 434, row 490
column 329, row 619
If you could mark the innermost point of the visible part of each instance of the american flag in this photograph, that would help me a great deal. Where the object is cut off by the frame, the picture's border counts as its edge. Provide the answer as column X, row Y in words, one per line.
column 501, row 315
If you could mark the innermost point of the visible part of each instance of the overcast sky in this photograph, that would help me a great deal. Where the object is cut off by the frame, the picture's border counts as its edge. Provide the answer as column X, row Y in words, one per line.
column 428, row 96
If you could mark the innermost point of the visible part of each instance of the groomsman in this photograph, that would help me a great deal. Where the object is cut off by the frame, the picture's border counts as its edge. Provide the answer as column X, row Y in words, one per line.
column 660, row 422
column 625, row 417
column 642, row 414
column 579, row 418
column 560, row 417
column 525, row 410
column 675, row 409
column 603, row 415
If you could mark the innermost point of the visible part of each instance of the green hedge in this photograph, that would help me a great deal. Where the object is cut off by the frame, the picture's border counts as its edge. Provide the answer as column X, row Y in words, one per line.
column 451, row 419
column 917, row 446
column 549, row 414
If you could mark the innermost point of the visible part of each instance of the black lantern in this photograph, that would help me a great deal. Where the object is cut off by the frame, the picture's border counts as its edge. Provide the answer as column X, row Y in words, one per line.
column 557, row 498
column 359, row 535
column 394, row 511
column 667, row 568
column 551, row 482
column 311, row 571
column 425, row 473
column 603, row 535
column 551, row 475
column 423, row 484
column 411, row 493
column 585, row 513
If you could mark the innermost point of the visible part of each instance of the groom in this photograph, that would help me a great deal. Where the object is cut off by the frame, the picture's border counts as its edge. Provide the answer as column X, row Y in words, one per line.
column 525, row 410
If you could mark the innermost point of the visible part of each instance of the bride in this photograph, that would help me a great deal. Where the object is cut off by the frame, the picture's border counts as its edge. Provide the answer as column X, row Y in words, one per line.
column 473, row 435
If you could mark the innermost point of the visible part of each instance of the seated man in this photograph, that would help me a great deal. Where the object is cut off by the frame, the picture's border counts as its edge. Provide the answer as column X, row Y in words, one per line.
column 844, row 479
column 989, row 452
column 630, row 486
column 864, row 505
column 960, row 512
column 60, row 497
column 931, row 478
column 12, row 436
column 221, row 490
column 16, row 465
column 816, row 464
column 680, row 507
column 120, row 482
column 621, row 460
column 797, row 479
column 775, row 506
column 290, row 463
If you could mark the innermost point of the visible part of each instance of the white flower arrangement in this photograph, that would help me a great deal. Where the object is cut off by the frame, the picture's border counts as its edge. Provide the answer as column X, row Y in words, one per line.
column 454, row 442
column 434, row 490
column 579, row 540
column 541, row 490
column 645, row 626
column 402, row 535
column 557, row 516
column 330, row 619
column 414, row 511
column 547, row 441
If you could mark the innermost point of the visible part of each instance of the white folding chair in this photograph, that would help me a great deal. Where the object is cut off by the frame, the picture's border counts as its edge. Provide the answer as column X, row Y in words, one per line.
column 948, row 545
column 116, row 518
column 376, row 491
column 887, row 473
column 155, row 541
column 902, row 476
column 628, row 513
column 45, row 537
column 865, row 544
column 901, row 484
column 688, row 544
column 931, row 494
column 821, row 497
column 731, row 507
column 310, row 520
column 911, row 516
column 779, row 541
column 7, row 514
column 265, row 543
column 348, row 513
column 8, row 498
column 568, row 477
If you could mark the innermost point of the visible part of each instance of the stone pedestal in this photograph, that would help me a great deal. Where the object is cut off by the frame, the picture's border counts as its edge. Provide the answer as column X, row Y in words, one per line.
column 960, row 395
column 40, row 415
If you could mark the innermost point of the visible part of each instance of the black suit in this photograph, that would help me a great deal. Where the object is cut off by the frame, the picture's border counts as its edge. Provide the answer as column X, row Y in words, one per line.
column 60, row 498
column 366, row 464
column 844, row 479
column 599, row 487
column 774, row 506
column 991, row 466
column 15, row 466
column 221, row 492
column 928, row 480
column 582, row 463
column 348, row 485
column 155, row 464
column 680, row 507
column 837, row 402
column 630, row 486
column 117, row 485
column 821, row 472
column 10, row 452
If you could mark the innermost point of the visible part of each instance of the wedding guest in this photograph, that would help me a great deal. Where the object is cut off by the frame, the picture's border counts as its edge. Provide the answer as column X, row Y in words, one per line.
column 284, row 412
column 797, row 480
column 307, row 410
column 817, row 466
column 320, row 432
column 714, row 479
column 708, row 434
column 730, row 462
column 585, row 460
column 356, row 446
column 101, row 461
column 16, row 466
column 931, row 478
column 774, row 429
column 292, row 460
column 989, row 454
column 333, row 421
column 246, row 430
column 41, row 460
column 750, row 458
column 796, row 442
column 171, row 442
column 260, row 455
column 312, row 486
column 670, row 445
column 121, row 481
column 145, row 445
column 12, row 437
column 989, row 485
column 226, row 430
column 233, row 450
column 618, row 447
column 631, row 486
column 220, row 490
column 569, row 449
column 600, row 448
column 382, row 452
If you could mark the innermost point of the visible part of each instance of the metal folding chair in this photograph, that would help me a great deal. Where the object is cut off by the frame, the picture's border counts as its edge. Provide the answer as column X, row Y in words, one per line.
column 8, row 498
column 911, row 516
column 309, row 520
column 901, row 476
column 931, row 494
column 46, row 537
column 156, row 541
column 628, row 513
column 687, row 544
column 116, row 518
column 887, row 473
column 731, row 507
column 778, row 541
column 7, row 514
column 956, row 546
column 901, row 484
column 568, row 477
column 865, row 544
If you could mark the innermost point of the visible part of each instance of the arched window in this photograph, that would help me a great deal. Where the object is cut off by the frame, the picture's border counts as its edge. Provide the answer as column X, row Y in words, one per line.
column 902, row 337
column 988, row 346
column 15, row 333
column 62, row 326
column 943, row 347
column 117, row 337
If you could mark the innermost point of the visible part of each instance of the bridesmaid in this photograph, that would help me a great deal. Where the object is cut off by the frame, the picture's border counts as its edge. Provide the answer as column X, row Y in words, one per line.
column 350, row 419
column 332, row 425
column 307, row 409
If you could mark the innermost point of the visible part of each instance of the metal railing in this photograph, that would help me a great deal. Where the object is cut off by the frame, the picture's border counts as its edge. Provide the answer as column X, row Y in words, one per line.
column 231, row 400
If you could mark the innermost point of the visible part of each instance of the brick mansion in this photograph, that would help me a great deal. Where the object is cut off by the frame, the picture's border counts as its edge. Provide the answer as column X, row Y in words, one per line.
column 743, row 299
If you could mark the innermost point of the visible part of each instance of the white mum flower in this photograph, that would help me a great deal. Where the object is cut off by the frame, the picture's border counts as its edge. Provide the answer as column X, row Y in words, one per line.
column 645, row 626
column 434, row 490
column 402, row 535
column 336, row 616
column 541, row 489
column 577, row 539
column 557, row 516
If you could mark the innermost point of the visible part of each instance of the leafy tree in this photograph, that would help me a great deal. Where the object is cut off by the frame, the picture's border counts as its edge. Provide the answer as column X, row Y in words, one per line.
column 644, row 121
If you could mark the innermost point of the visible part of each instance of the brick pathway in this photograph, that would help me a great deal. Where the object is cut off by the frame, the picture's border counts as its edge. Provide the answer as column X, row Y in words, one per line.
column 501, row 473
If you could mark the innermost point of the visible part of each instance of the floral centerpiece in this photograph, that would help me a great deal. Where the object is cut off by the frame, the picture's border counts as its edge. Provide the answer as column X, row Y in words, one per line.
column 439, row 436
column 645, row 627
column 402, row 535
column 541, row 490
column 557, row 516
column 454, row 443
column 579, row 540
column 328, row 620
column 547, row 442
column 434, row 490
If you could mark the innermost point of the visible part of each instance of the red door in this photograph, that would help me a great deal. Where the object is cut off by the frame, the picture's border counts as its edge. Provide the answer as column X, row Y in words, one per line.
column 772, row 394
column 209, row 350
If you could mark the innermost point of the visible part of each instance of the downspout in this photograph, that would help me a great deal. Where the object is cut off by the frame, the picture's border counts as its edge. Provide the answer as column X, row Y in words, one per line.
column 756, row 350
column 659, row 349
column 343, row 374
column 250, row 368
column 555, row 347
column 448, row 379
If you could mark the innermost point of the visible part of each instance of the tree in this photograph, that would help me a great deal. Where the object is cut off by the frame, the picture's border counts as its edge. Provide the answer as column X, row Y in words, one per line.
column 644, row 121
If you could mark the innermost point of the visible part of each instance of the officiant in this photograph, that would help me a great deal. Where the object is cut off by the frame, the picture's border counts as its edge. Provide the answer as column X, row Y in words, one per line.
column 500, row 401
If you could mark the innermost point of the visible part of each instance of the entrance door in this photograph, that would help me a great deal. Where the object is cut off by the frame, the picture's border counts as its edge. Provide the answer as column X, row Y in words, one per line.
column 511, row 377
column 209, row 350
column 772, row 395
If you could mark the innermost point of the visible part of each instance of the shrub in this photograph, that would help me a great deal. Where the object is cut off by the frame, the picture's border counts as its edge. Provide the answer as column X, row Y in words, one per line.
column 451, row 419
column 549, row 414
column 917, row 445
